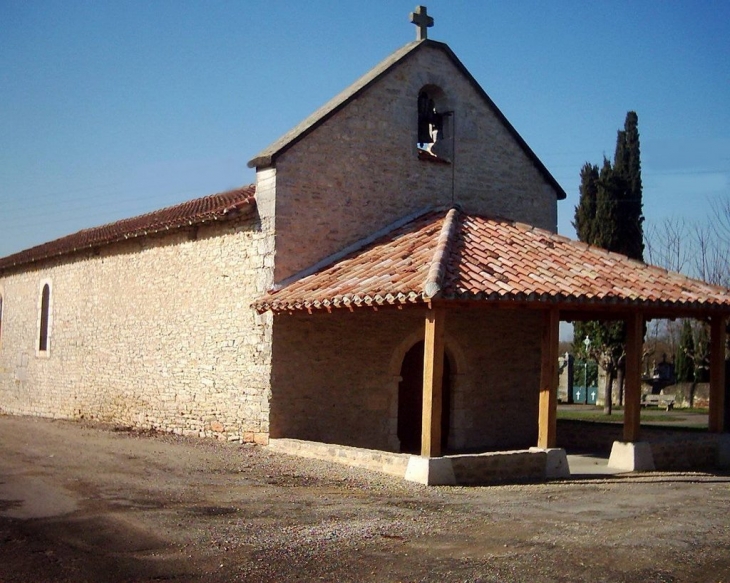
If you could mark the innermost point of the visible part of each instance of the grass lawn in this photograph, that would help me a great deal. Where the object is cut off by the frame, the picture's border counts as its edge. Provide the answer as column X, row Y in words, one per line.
column 697, row 410
column 678, row 416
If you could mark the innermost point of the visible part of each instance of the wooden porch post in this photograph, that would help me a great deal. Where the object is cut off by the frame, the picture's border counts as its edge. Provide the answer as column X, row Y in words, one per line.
column 547, row 415
column 433, row 371
column 717, row 374
column 632, row 380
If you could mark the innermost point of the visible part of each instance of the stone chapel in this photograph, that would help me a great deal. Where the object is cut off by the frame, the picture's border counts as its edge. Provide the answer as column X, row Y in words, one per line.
column 393, row 281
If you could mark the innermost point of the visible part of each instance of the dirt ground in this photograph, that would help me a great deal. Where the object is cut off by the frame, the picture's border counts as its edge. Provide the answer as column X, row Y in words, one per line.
column 83, row 502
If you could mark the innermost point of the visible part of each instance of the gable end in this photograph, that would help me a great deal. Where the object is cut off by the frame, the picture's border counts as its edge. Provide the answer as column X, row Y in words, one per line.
column 267, row 157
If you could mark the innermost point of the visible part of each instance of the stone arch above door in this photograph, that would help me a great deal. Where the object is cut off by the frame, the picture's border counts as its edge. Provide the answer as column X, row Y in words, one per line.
column 457, row 362
column 451, row 348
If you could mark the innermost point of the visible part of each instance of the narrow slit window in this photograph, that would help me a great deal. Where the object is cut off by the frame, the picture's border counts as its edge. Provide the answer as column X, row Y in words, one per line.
column 45, row 309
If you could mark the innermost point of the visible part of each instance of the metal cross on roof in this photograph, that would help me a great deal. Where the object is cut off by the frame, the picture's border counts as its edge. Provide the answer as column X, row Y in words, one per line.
column 423, row 22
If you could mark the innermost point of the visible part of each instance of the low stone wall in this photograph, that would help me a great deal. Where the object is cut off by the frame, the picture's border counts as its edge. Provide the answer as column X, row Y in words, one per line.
column 682, row 391
column 673, row 449
column 394, row 464
column 499, row 467
column 464, row 470
column 695, row 452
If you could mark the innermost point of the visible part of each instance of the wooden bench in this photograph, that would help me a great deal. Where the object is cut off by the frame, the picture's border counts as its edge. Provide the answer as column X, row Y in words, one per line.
column 666, row 401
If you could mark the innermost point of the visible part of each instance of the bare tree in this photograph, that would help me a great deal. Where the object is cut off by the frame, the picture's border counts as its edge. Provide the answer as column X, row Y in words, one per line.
column 668, row 245
column 721, row 218
column 700, row 250
column 711, row 253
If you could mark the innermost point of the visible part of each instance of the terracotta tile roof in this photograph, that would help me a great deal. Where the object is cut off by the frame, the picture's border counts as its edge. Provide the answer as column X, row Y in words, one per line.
column 194, row 212
column 392, row 270
column 454, row 256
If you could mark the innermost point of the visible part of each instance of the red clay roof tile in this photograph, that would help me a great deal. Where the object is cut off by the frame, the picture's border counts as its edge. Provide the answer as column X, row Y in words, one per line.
column 492, row 260
column 194, row 212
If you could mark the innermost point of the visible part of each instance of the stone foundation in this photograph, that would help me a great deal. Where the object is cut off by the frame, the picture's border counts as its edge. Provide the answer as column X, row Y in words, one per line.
column 462, row 470
column 671, row 449
column 394, row 464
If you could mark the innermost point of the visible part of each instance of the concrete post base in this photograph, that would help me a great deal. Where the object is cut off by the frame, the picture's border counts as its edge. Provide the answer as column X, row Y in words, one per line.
column 434, row 471
column 631, row 457
column 556, row 463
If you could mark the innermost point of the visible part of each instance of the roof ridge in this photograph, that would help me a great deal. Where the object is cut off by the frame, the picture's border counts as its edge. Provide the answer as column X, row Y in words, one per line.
column 251, row 188
column 437, row 270
column 191, row 212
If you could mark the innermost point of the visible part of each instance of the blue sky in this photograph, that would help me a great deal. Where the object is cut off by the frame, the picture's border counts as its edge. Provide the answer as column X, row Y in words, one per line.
column 112, row 109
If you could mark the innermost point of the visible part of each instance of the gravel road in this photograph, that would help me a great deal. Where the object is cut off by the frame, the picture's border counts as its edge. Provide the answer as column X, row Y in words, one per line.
column 84, row 502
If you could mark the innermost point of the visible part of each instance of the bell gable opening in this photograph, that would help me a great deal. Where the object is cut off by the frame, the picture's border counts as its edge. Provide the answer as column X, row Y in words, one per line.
column 435, row 124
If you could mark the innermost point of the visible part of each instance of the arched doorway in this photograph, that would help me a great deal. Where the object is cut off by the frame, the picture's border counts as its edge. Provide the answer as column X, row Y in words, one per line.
column 410, row 400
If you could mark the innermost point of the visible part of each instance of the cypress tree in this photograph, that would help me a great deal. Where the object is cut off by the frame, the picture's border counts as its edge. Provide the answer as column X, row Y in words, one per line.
column 609, row 215
column 610, row 209
column 607, row 227
column 631, row 128
column 628, row 185
column 621, row 154
column 585, row 212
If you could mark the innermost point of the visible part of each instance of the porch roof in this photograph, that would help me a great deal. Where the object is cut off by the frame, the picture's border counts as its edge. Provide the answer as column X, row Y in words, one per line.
column 450, row 255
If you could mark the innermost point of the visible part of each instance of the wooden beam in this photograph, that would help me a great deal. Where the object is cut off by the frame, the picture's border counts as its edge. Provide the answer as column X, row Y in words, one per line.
column 576, row 311
column 632, row 379
column 607, row 314
column 547, row 416
column 573, row 311
column 717, row 374
column 433, row 372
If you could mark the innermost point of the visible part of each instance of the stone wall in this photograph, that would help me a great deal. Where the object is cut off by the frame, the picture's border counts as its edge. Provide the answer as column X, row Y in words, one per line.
column 673, row 449
column 463, row 470
column 152, row 333
column 394, row 464
column 682, row 391
column 359, row 171
column 335, row 376
column 684, row 451
column 496, row 388
column 499, row 468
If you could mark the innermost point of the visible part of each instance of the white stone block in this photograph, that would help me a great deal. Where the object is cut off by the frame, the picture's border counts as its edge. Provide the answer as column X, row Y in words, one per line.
column 556, row 462
column 434, row 471
column 631, row 457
